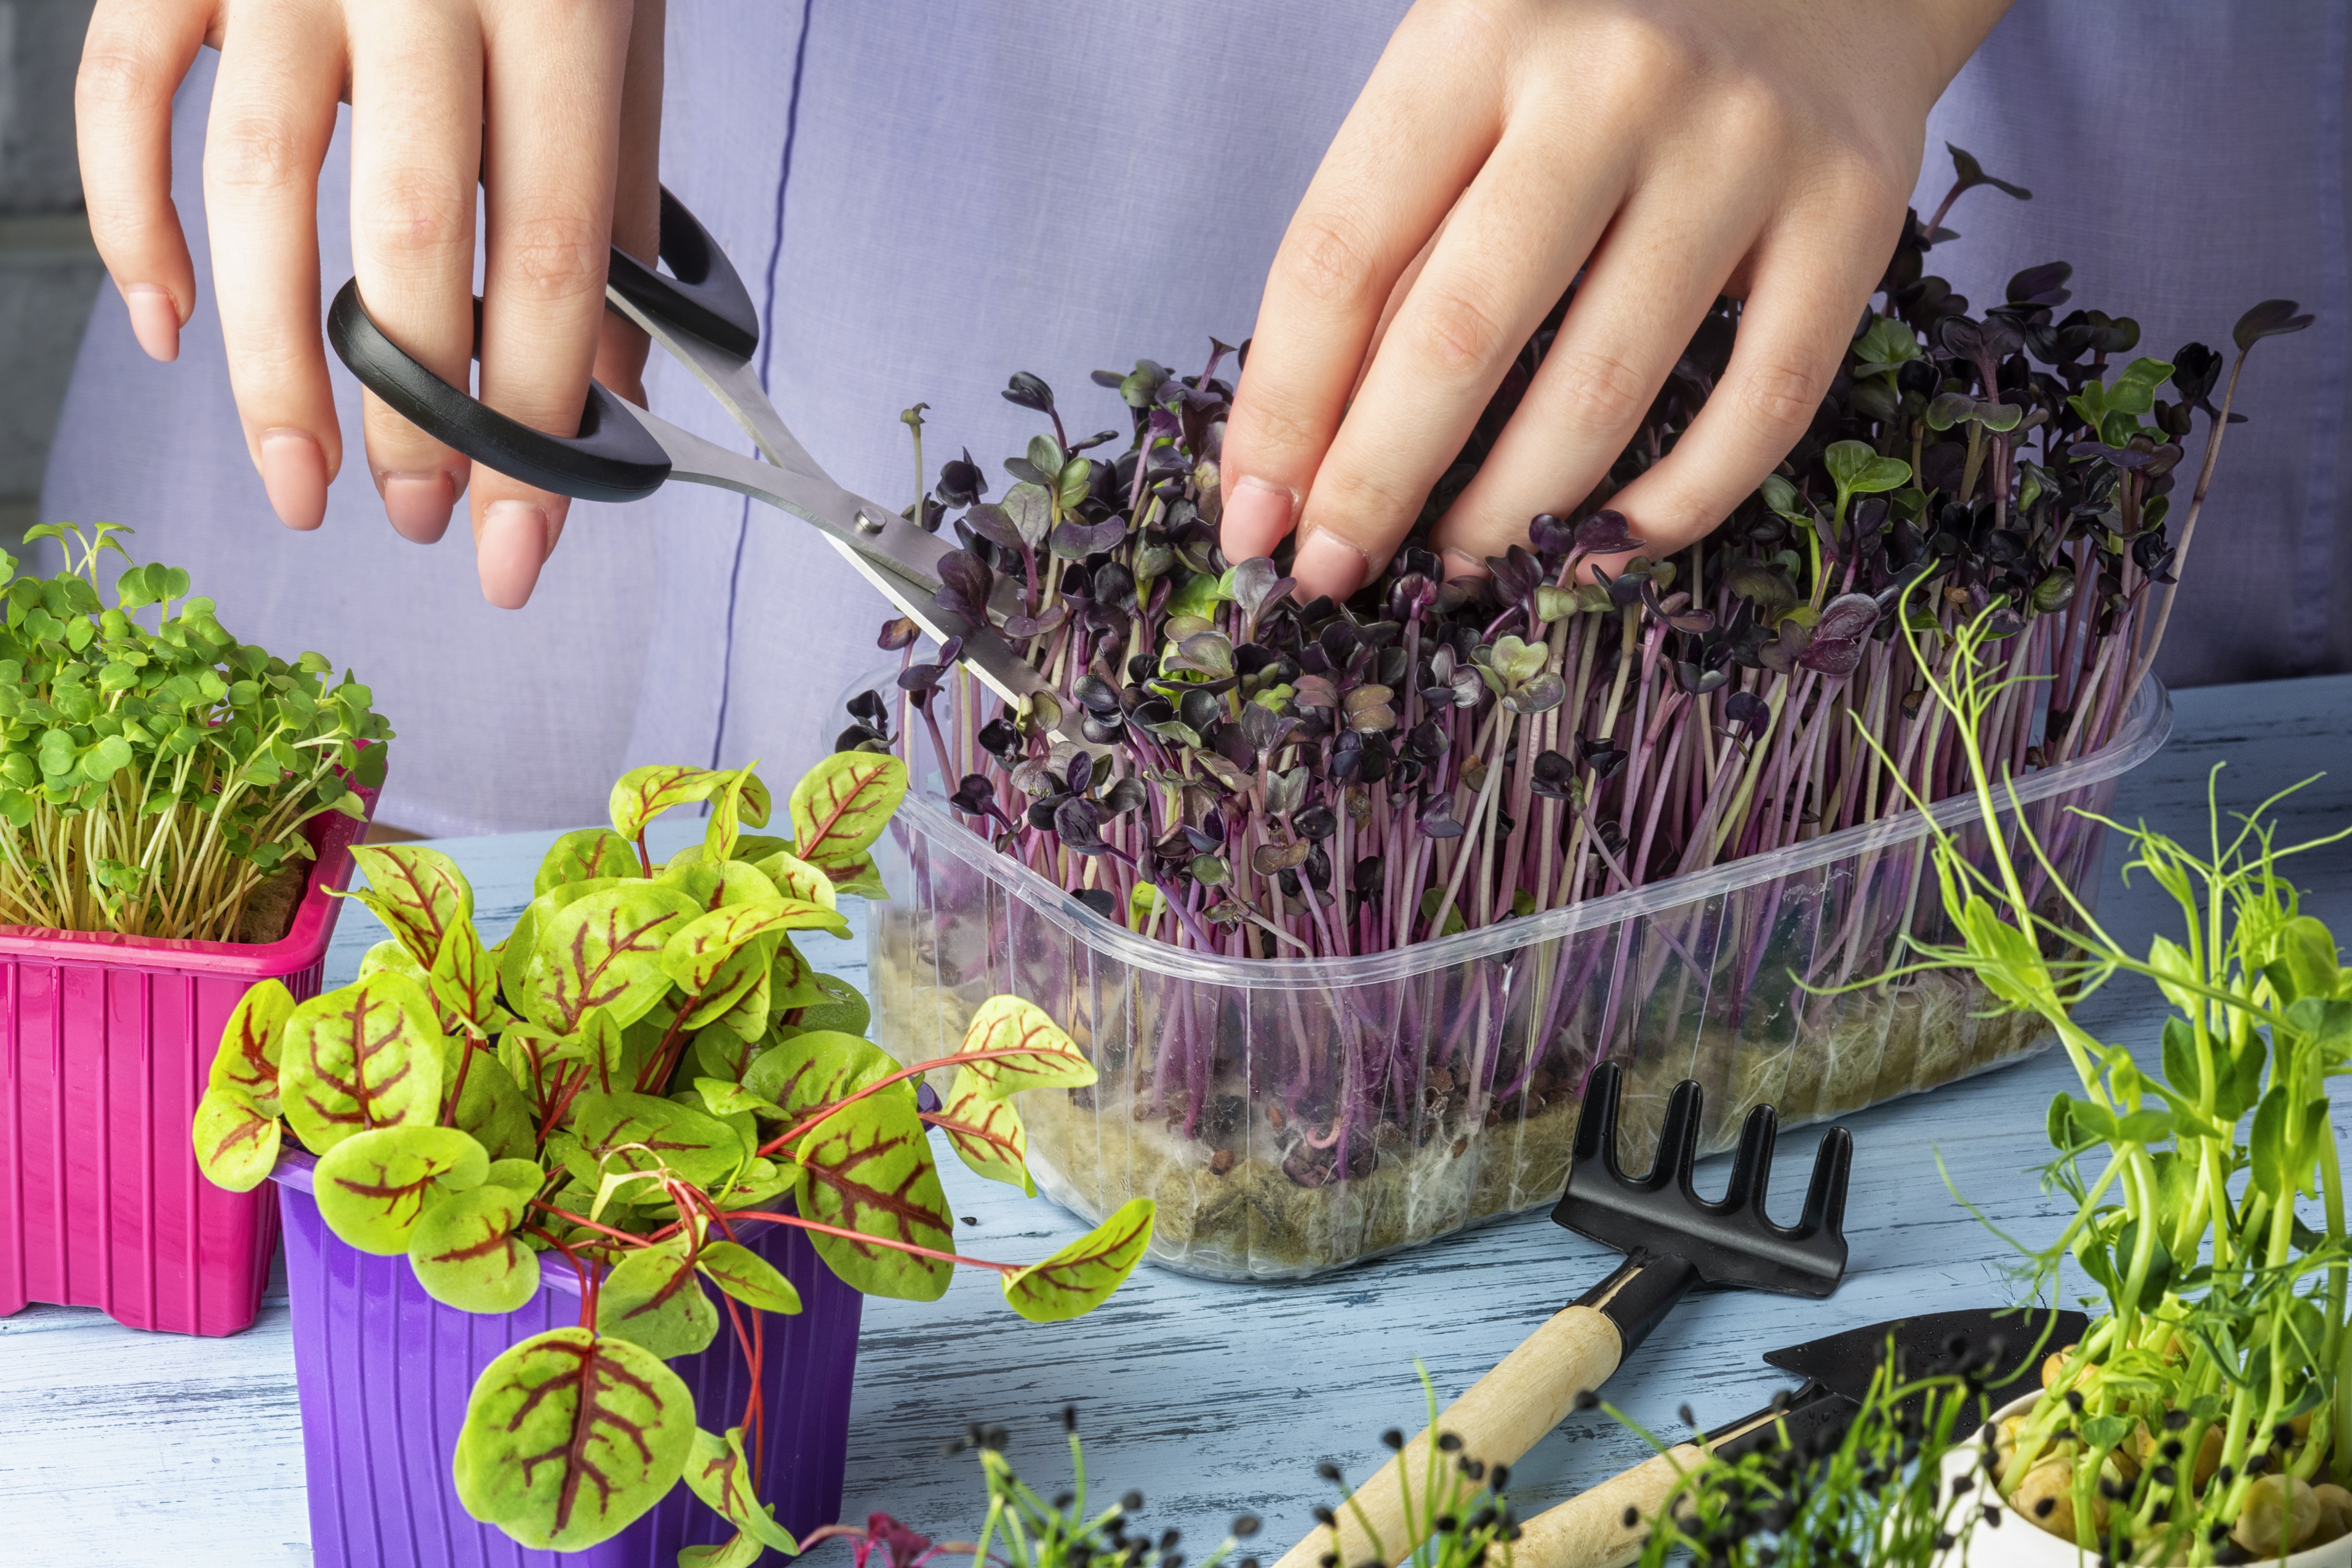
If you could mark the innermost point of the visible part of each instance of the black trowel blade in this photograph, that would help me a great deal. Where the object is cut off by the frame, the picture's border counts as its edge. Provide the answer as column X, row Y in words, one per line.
column 1932, row 1343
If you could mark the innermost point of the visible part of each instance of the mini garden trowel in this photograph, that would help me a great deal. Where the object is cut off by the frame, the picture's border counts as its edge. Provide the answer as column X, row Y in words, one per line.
column 1590, row 1530
column 1673, row 1239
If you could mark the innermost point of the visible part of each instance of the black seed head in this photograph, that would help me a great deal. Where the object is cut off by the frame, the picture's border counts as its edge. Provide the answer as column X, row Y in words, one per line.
column 1131, row 1501
column 1447, row 1442
column 1586, row 1400
column 1070, row 1418
column 1328, row 1471
column 1246, row 1525
column 2044, row 1506
column 1631, row 1517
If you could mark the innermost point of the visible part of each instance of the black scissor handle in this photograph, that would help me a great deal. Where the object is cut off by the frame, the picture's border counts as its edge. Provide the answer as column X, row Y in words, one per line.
column 703, row 296
column 613, row 457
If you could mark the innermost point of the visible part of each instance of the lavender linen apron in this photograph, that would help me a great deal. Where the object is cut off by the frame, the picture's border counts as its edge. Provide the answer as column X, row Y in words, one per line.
column 926, row 198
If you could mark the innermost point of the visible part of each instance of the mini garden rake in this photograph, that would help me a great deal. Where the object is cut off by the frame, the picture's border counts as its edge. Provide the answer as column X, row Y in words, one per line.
column 1673, row 1240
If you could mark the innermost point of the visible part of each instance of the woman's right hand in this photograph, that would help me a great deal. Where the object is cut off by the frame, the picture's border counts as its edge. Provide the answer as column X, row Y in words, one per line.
column 551, row 110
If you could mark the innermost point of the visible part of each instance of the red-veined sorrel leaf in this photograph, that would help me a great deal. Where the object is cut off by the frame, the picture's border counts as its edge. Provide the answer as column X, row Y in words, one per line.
column 465, row 983
column 366, row 1056
column 719, row 1474
column 867, row 1168
column 419, row 893
column 643, row 794
column 745, row 1016
column 1045, row 1056
column 1082, row 1275
column 602, row 951
column 588, row 853
column 840, row 1006
column 698, row 950
column 514, row 952
column 796, row 879
column 792, row 982
column 758, row 1184
column 742, row 799
column 247, row 1057
column 465, row 1254
column 725, row 1097
column 986, row 1133
column 858, row 877
column 748, row 1277
column 722, row 1053
column 841, row 806
column 653, row 1298
column 490, row 1105
column 568, row 1437
column 817, row 1067
column 639, row 1133
column 738, row 1551
column 372, row 1187
column 521, row 1176
column 235, row 1140
column 715, row 885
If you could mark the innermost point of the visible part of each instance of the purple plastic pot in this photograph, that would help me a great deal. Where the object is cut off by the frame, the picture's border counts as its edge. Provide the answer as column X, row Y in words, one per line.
column 384, row 1371
column 106, row 1043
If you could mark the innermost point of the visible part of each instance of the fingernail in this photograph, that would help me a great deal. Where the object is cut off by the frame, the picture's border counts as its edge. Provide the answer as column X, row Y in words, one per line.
column 512, row 549
column 418, row 504
column 154, row 320
column 294, row 472
column 1327, row 564
column 1257, row 514
column 1457, row 565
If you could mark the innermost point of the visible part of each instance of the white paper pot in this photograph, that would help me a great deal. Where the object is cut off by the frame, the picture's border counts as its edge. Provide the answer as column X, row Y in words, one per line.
column 2019, row 1543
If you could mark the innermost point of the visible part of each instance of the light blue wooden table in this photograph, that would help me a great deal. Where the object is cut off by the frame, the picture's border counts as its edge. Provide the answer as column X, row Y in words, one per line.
column 118, row 1448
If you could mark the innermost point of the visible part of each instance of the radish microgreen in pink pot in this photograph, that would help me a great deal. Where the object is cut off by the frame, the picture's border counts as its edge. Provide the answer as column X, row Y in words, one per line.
column 645, row 1071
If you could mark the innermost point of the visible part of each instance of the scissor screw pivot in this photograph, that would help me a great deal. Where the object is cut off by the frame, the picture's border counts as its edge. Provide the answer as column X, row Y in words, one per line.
column 868, row 524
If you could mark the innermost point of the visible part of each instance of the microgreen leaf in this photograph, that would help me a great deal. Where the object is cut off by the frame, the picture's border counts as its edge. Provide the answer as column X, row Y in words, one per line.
column 577, row 857
column 720, row 1474
column 867, row 1168
column 416, row 891
column 1080, row 1277
column 235, row 1139
column 748, row 1277
column 603, row 951
column 568, row 1437
column 839, row 808
column 986, row 1133
column 466, row 1254
column 246, row 1060
column 364, row 1056
column 653, row 1298
column 1015, row 1045
column 372, row 1187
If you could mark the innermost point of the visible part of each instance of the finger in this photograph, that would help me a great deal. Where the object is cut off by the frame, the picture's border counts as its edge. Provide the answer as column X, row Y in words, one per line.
column 417, row 156
column 1512, row 243
column 273, row 112
column 1425, row 121
column 1646, row 290
column 555, row 75
column 132, row 62
column 621, row 344
column 1812, row 275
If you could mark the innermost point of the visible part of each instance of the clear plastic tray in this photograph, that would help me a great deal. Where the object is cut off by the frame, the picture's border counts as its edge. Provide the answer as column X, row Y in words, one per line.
column 1219, row 1074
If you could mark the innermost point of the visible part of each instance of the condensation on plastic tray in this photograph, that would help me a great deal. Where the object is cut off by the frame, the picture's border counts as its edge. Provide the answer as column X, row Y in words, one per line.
column 1462, row 1057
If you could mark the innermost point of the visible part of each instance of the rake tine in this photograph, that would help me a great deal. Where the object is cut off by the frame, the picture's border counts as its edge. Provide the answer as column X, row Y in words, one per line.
column 1596, row 1119
column 1826, row 1198
column 1678, row 1140
column 1751, row 1165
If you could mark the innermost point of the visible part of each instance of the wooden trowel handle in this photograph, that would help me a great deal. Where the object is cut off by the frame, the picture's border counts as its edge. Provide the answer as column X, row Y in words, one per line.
column 1500, row 1419
column 1588, row 1530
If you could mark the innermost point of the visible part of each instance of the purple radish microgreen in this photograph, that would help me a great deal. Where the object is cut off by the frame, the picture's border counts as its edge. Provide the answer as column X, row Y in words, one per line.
column 1437, row 756
column 630, row 1085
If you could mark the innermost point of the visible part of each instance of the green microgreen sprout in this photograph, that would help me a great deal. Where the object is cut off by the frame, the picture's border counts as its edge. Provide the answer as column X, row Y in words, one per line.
column 2202, row 1418
column 156, row 780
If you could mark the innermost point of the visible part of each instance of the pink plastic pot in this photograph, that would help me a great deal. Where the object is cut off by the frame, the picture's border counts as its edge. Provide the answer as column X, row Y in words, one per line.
column 105, row 1045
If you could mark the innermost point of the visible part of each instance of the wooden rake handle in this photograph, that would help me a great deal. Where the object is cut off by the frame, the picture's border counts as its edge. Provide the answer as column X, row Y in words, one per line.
column 1502, row 1415
column 1588, row 1530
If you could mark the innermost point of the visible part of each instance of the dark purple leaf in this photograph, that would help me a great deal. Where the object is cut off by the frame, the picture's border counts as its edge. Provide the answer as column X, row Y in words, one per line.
column 962, row 483
column 1028, row 391
column 1847, row 615
column 2267, row 320
column 1605, row 534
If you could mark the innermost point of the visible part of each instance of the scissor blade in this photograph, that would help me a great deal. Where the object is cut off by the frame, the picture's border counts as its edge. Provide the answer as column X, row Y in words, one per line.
column 889, row 551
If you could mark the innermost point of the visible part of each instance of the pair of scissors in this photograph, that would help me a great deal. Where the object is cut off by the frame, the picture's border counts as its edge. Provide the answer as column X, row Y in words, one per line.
column 702, row 316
